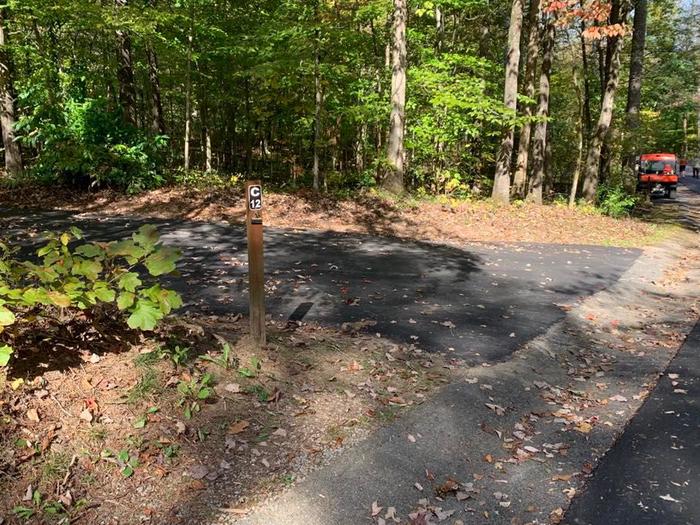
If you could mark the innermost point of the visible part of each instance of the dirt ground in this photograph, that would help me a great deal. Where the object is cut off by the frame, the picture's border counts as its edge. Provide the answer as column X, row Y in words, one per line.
column 172, row 428
column 446, row 220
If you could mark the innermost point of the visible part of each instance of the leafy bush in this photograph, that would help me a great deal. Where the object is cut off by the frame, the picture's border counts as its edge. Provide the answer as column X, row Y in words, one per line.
column 615, row 200
column 67, row 279
column 90, row 145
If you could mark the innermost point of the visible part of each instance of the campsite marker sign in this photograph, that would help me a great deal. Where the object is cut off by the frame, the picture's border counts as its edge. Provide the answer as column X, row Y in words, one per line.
column 256, row 270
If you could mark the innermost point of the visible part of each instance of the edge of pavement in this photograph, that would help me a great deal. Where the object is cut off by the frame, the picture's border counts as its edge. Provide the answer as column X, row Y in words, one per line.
column 513, row 442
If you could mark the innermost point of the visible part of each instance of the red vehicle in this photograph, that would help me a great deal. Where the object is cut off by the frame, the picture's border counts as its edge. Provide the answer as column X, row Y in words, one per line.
column 657, row 173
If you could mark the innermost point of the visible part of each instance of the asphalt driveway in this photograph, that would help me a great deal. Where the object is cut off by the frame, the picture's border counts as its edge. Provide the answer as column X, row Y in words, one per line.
column 480, row 301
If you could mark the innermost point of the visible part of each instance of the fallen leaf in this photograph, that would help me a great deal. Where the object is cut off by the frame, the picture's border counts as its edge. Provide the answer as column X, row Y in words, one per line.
column 449, row 486
column 198, row 471
column 33, row 415
column 86, row 415
column 668, row 497
column 499, row 410
column 584, row 427
column 391, row 514
column 280, row 432
column 376, row 509
column 556, row 515
column 621, row 399
column 238, row 427
column 570, row 492
column 562, row 477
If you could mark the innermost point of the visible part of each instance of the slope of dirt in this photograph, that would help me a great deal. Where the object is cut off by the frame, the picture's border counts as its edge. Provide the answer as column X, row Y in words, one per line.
column 127, row 434
column 443, row 220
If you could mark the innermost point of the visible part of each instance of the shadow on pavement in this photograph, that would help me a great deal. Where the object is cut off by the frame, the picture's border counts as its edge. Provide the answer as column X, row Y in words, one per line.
column 481, row 302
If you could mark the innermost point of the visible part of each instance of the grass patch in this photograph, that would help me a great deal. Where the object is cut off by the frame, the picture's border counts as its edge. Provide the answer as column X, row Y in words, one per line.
column 148, row 385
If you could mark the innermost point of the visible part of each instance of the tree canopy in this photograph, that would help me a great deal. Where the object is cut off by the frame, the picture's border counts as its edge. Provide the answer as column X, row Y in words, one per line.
column 135, row 93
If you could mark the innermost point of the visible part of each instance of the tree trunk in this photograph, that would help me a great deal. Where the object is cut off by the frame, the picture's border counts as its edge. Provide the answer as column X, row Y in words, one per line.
column 157, row 119
column 501, row 182
column 591, row 176
column 13, row 155
column 634, row 87
column 439, row 28
column 606, row 153
column 394, row 180
column 125, row 71
column 697, row 100
column 520, row 176
column 539, row 146
column 580, row 140
column 318, row 102
column 188, row 91
column 587, row 121
column 206, row 134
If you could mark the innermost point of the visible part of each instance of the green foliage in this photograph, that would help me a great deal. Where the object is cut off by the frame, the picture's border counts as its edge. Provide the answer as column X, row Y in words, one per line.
column 223, row 360
column 69, row 276
column 193, row 392
column 252, row 370
column 615, row 200
column 88, row 145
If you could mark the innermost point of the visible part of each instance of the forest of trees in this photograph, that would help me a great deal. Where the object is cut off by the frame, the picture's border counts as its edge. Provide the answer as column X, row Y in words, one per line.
column 523, row 99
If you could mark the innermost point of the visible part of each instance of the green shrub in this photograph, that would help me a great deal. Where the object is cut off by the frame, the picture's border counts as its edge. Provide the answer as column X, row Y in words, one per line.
column 88, row 144
column 68, row 277
column 615, row 200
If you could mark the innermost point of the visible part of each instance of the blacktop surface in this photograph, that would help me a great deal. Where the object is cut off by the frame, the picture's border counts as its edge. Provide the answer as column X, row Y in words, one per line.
column 652, row 474
column 482, row 301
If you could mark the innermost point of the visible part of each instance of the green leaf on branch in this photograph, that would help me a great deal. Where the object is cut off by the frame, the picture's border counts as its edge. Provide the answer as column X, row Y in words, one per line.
column 5, row 353
column 125, row 300
column 126, row 249
column 89, row 250
column 59, row 299
column 103, row 292
column 129, row 281
column 147, row 237
column 88, row 268
column 162, row 262
column 6, row 316
column 145, row 316
column 168, row 300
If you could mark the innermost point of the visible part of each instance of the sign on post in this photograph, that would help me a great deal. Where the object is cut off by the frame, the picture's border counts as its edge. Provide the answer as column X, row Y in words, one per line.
column 256, row 271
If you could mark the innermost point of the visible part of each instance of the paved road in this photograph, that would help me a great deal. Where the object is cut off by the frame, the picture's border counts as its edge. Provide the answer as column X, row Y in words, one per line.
column 652, row 475
column 483, row 301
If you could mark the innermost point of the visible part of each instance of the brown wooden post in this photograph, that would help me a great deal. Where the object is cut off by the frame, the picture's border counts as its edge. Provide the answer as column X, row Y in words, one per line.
column 256, row 271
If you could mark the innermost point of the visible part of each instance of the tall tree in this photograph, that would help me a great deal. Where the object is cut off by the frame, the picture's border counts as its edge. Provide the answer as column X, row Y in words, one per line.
column 539, row 146
column 394, row 180
column 501, row 183
column 634, row 86
column 592, row 166
column 188, row 89
column 157, row 118
column 520, row 175
column 586, row 83
column 13, row 155
column 318, row 96
column 125, row 70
